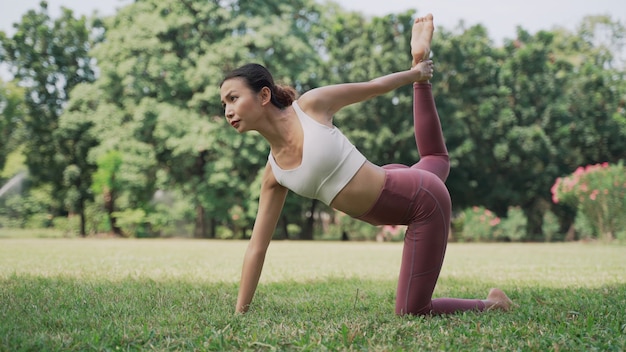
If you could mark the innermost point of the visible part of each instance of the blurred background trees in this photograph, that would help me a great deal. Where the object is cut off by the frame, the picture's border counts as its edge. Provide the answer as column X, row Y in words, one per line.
column 115, row 124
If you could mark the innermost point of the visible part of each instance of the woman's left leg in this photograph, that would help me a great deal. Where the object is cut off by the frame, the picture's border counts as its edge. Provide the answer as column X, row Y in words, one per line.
column 424, row 248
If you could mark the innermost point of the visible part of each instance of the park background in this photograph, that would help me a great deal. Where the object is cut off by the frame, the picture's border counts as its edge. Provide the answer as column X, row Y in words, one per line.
column 113, row 124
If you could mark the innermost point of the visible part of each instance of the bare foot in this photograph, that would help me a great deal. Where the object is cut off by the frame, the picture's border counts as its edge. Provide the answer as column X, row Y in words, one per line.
column 421, row 36
column 497, row 299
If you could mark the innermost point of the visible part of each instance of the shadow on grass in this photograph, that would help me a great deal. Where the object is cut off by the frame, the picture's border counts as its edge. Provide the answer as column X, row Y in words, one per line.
column 70, row 314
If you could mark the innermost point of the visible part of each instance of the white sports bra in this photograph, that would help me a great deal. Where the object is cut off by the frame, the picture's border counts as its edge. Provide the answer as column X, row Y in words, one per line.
column 329, row 161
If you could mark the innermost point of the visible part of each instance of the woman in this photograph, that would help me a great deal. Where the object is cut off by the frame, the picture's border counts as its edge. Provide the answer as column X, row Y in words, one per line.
column 312, row 158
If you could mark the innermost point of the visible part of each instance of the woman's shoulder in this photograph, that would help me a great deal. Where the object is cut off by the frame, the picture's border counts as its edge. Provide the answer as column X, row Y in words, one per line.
column 313, row 105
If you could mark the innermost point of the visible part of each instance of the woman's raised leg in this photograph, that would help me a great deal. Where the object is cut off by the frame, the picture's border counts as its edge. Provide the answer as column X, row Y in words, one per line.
column 427, row 234
column 428, row 133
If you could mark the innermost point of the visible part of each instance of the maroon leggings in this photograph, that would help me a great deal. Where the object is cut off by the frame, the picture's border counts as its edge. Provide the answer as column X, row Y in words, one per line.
column 417, row 196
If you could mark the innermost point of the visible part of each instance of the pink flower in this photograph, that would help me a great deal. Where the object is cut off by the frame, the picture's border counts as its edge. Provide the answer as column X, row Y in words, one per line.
column 594, row 194
column 569, row 183
column 494, row 221
column 554, row 190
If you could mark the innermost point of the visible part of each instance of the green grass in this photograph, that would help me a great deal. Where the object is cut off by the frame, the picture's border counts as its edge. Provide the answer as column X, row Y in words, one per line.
column 104, row 294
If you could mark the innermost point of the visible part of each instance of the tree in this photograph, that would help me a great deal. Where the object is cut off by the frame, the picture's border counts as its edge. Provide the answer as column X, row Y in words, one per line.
column 11, row 117
column 518, row 117
column 49, row 58
column 161, row 65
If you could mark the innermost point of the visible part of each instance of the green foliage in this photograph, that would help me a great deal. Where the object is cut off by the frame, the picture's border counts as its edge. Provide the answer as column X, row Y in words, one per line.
column 33, row 209
column 108, row 167
column 6, row 233
column 159, row 76
column 513, row 226
column 598, row 192
column 11, row 117
column 132, row 222
column 49, row 58
column 479, row 224
column 346, row 227
column 96, row 220
column 69, row 226
column 523, row 115
column 514, row 117
column 584, row 227
column 171, row 215
column 15, row 164
column 551, row 227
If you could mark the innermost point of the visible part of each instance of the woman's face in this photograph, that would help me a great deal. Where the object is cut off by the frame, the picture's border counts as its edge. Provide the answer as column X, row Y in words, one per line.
column 240, row 104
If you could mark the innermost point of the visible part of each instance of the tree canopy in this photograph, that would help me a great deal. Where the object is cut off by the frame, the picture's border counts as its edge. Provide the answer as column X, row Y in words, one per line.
column 121, row 116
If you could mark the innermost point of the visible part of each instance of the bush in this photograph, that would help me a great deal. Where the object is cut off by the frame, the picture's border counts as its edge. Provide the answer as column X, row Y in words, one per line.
column 38, row 221
column 479, row 224
column 132, row 222
column 584, row 227
column 513, row 227
column 353, row 229
column 598, row 192
column 96, row 219
column 551, row 227
column 69, row 226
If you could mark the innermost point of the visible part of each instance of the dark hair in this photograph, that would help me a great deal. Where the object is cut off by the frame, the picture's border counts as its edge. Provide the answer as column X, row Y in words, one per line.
column 257, row 77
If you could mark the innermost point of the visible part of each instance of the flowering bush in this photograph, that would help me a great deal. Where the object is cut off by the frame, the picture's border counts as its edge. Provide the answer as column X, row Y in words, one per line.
column 479, row 224
column 598, row 192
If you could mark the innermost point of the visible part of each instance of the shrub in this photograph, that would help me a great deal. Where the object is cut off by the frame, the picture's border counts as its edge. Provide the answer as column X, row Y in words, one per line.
column 584, row 227
column 513, row 227
column 353, row 229
column 68, row 225
column 598, row 192
column 551, row 227
column 479, row 224
column 132, row 222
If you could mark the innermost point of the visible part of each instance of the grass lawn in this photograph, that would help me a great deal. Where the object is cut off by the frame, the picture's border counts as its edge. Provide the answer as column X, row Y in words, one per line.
column 106, row 294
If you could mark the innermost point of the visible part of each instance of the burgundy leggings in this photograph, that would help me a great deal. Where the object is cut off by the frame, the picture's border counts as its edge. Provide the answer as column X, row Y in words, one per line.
column 417, row 196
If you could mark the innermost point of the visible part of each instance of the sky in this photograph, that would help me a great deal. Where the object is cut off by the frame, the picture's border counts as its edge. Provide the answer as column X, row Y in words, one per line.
column 499, row 17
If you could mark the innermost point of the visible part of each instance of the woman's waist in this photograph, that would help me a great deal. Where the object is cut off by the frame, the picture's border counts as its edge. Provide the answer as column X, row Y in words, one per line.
column 361, row 192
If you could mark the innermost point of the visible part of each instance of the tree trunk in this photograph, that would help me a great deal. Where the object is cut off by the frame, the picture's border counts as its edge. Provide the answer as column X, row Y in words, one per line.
column 307, row 230
column 83, row 226
column 534, row 215
column 213, row 227
column 281, row 229
column 200, row 229
column 109, row 205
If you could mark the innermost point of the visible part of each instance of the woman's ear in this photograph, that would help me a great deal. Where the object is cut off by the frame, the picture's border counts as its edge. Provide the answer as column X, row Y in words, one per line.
column 265, row 95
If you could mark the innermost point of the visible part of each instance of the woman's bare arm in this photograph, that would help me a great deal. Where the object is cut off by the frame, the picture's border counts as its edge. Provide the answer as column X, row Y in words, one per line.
column 270, row 206
column 322, row 103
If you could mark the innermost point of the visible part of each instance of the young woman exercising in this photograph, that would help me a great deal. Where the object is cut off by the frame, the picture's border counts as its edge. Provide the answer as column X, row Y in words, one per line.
column 314, row 159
